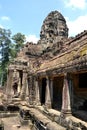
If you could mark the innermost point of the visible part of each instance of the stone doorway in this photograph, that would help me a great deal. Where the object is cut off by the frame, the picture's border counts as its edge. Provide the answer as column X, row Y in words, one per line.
column 57, row 93
column 20, row 76
column 15, row 88
column 43, row 91
column 80, row 95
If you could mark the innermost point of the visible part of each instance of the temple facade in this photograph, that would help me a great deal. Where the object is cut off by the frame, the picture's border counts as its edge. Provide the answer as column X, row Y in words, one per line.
column 53, row 72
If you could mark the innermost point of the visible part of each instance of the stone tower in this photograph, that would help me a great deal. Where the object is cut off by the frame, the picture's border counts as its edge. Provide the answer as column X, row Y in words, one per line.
column 54, row 28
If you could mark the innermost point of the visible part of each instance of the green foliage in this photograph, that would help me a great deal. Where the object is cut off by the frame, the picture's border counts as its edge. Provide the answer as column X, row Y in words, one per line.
column 8, row 50
column 19, row 40
column 5, row 47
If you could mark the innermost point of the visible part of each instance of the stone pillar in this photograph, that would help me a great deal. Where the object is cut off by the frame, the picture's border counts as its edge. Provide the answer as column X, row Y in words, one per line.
column 23, row 90
column 27, row 91
column 27, row 88
column 48, row 96
column 15, row 74
column 30, row 91
column 71, row 90
column 51, row 89
column 19, row 82
column 19, row 85
column 37, row 92
column 9, row 85
column 66, row 107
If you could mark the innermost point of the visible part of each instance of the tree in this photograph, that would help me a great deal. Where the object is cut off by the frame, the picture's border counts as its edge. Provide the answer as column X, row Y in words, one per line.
column 5, row 49
column 8, row 50
column 19, row 40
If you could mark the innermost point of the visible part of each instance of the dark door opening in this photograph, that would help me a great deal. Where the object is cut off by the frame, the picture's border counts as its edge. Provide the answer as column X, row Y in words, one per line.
column 83, row 80
column 80, row 96
column 57, row 93
column 21, row 76
column 15, row 86
column 43, row 91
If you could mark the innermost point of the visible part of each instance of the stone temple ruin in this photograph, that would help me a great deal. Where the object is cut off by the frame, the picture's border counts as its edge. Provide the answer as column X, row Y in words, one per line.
column 47, row 82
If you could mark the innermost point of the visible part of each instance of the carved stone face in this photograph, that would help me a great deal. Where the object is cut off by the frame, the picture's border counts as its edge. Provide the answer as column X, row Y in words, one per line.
column 62, row 30
column 54, row 26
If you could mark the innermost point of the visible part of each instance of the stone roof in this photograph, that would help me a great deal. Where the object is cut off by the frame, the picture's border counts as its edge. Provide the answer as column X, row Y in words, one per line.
column 75, row 55
column 33, row 49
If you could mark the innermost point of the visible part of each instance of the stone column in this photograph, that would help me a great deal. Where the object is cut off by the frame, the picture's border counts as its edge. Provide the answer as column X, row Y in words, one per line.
column 51, row 88
column 27, row 89
column 27, row 92
column 71, row 91
column 9, row 85
column 66, row 107
column 37, row 92
column 15, row 74
column 48, row 96
column 19, row 85
column 30, row 91
column 23, row 90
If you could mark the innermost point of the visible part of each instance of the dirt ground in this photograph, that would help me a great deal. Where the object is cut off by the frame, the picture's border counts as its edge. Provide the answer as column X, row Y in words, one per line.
column 13, row 123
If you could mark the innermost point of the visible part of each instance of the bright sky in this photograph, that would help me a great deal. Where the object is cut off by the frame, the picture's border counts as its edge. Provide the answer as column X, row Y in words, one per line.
column 26, row 16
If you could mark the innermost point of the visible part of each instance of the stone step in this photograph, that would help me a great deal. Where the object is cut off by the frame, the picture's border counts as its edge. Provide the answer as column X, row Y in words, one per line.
column 41, row 121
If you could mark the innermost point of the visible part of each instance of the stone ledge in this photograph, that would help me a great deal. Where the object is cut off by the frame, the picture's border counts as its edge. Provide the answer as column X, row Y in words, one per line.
column 41, row 121
column 69, row 122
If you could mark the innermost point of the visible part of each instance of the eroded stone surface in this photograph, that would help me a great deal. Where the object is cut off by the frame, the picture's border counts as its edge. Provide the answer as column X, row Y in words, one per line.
column 54, row 28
